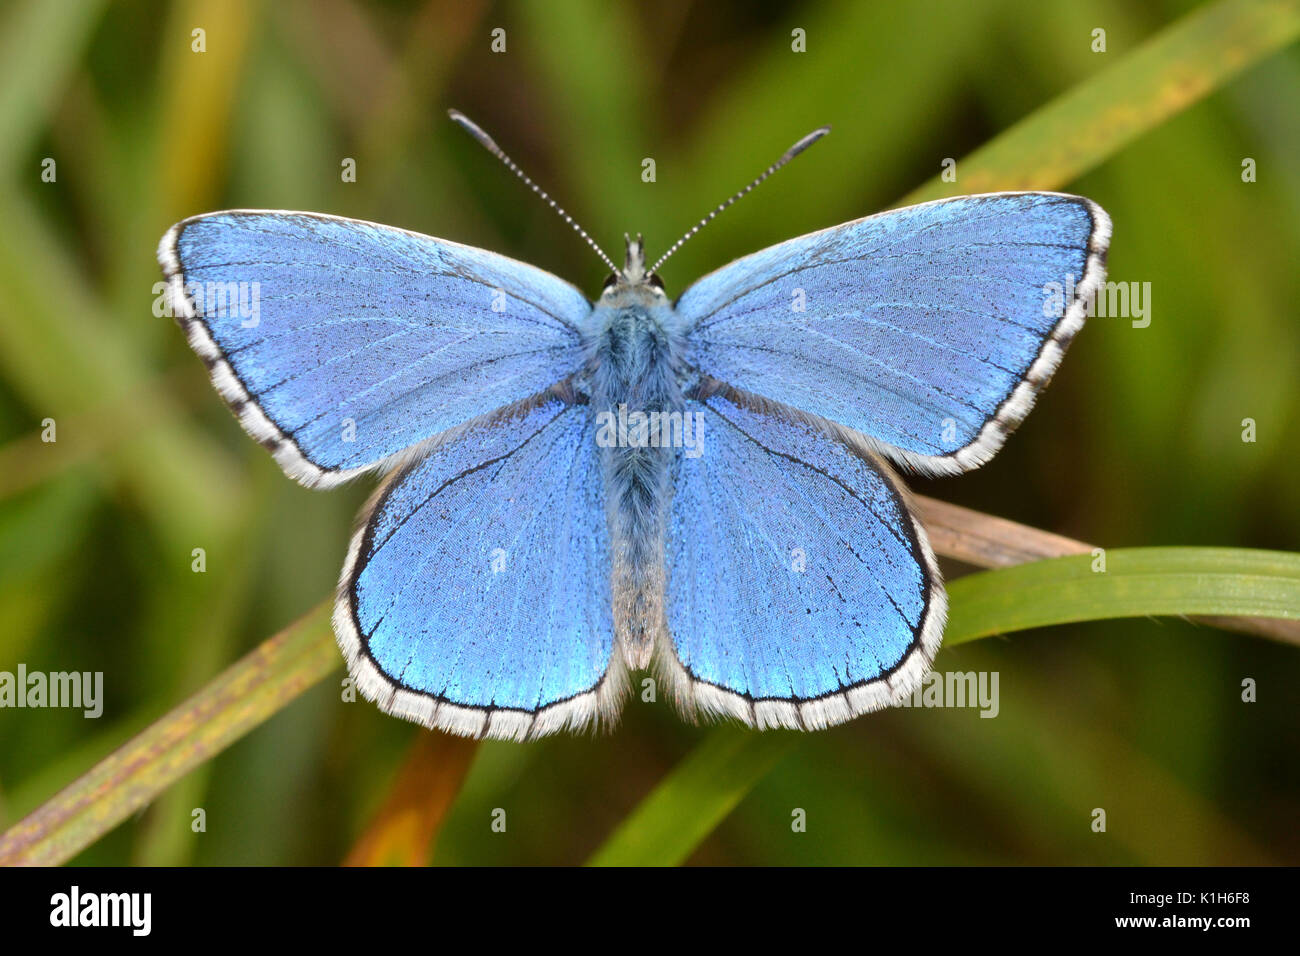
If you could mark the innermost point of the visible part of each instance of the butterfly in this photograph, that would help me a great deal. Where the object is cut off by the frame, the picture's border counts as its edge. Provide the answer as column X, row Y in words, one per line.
column 579, row 490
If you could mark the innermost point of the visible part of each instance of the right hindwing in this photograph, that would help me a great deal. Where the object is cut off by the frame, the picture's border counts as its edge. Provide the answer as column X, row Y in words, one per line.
column 801, row 590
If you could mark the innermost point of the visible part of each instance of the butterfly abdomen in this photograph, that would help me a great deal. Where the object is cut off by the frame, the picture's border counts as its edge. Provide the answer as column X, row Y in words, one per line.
column 635, row 370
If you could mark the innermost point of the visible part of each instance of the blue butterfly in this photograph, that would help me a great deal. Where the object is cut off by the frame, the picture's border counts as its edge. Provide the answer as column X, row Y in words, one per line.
column 575, row 491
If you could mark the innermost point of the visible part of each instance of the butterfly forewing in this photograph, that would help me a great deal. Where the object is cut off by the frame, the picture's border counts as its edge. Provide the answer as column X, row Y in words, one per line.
column 342, row 344
column 929, row 329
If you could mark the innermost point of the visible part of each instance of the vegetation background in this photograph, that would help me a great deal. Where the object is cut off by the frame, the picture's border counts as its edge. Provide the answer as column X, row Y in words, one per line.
column 1138, row 441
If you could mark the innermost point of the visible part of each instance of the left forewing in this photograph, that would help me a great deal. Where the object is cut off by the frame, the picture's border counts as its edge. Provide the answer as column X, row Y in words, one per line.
column 342, row 345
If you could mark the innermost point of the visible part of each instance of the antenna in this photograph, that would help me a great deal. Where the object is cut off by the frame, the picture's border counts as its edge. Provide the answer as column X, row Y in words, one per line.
column 788, row 155
column 490, row 145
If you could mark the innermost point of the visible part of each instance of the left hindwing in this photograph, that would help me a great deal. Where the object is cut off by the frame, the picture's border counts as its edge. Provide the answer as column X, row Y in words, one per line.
column 476, row 595
column 929, row 330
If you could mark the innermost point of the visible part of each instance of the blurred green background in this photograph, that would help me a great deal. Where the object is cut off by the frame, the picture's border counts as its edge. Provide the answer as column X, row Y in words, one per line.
column 1137, row 442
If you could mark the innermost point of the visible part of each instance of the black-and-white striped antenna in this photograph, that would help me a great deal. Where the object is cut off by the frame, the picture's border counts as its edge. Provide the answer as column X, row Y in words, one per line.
column 788, row 155
column 490, row 145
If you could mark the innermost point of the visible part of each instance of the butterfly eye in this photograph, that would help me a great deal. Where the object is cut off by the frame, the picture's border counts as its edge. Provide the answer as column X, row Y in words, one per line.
column 610, row 282
column 655, row 281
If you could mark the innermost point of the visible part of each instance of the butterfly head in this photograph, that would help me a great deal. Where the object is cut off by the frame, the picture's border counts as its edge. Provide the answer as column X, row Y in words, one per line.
column 634, row 283
column 633, row 278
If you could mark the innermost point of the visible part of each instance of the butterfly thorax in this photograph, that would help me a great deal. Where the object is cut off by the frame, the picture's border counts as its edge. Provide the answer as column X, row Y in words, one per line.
column 634, row 378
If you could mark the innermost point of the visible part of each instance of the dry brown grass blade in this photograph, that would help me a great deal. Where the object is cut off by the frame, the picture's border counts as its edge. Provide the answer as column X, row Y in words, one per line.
column 988, row 542
column 247, row 693
column 405, row 830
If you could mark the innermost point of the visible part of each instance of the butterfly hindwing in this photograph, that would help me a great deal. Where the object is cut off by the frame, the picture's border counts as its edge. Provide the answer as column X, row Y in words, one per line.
column 928, row 329
column 342, row 344
column 801, row 591
column 476, row 597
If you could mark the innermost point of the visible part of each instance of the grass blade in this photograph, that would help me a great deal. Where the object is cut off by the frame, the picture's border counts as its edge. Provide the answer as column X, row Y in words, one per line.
column 698, row 794
column 405, row 830
column 989, row 542
column 706, row 786
column 239, row 699
column 1137, row 582
column 1170, row 72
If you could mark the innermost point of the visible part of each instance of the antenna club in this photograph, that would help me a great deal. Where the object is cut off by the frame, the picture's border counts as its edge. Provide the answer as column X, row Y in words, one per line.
column 804, row 143
column 788, row 155
column 476, row 131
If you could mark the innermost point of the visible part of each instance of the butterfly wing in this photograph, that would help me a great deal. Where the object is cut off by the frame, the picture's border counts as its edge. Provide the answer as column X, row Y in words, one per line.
column 342, row 344
column 476, row 597
column 929, row 330
column 801, row 591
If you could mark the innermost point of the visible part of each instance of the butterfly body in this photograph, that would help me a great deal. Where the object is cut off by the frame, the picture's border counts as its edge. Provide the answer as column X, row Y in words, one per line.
column 636, row 375
column 574, row 489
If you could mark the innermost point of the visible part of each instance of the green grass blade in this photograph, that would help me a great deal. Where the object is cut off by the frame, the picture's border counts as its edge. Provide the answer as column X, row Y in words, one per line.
column 40, row 44
column 699, row 793
column 1137, row 582
column 239, row 699
column 1168, row 73
column 706, row 786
